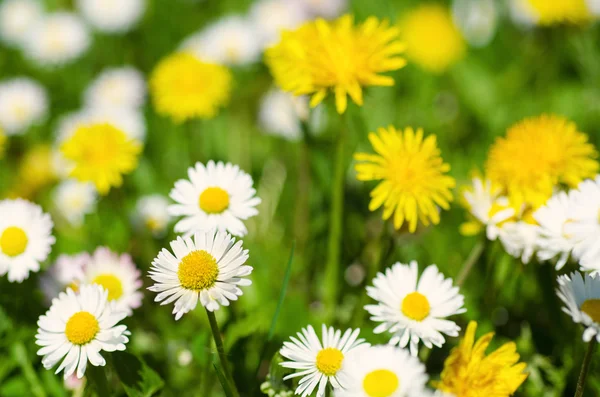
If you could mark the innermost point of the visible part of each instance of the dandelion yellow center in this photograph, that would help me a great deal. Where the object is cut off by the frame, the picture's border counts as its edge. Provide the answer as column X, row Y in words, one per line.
column 415, row 306
column 198, row 271
column 13, row 241
column 380, row 383
column 591, row 307
column 81, row 328
column 214, row 200
column 329, row 361
column 111, row 283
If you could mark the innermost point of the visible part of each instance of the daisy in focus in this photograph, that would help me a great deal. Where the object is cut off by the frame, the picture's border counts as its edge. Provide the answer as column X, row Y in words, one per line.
column 118, row 275
column 73, row 200
column 432, row 40
column 336, row 56
column 112, row 16
column 282, row 113
column 468, row 372
column 77, row 327
column 319, row 361
column 122, row 87
column 216, row 196
column 65, row 272
column 25, row 238
column 16, row 19
column 581, row 295
column 208, row 267
column 184, row 87
column 381, row 371
column 151, row 212
column 23, row 103
column 584, row 224
column 415, row 309
column 412, row 174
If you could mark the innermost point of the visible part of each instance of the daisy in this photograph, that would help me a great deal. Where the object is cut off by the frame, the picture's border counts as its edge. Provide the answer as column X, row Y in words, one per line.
column 477, row 20
column 184, row 87
column 151, row 212
column 318, row 362
column 208, row 267
column 581, row 296
column 413, row 309
column 412, row 174
column 65, row 272
column 25, row 238
column 327, row 9
column 16, row 19
column 217, row 196
column 520, row 239
column 229, row 41
column 584, row 225
column 432, row 40
column 122, row 87
column 381, row 371
column 129, row 120
column 271, row 17
column 73, row 200
column 282, row 114
column 336, row 56
column 57, row 39
column 77, row 328
column 23, row 103
column 468, row 372
column 112, row 16
column 537, row 155
column 118, row 275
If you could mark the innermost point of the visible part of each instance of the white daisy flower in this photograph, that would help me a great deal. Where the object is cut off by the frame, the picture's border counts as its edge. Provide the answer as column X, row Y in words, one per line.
column 16, row 19
column 328, row 9
column 581, row 296
column 122, row 87
column 584, row 227
column 25, row 238
column 65, row 272
column 112, row 16
column 476, row 19
column 272, row 16
column 415, row 309
column 217, row 196
column 151, row 213
column 522, row 13
column 57, row 39
column 282, row 113
column 23, row 103
column 130, row 121
column 78, row 327
column 382, row 371
column 231, row 41
column 208, row 267
column 317, row 361
column 520, row 239
column 73, row 200
column 118, row 275
column 593, row 6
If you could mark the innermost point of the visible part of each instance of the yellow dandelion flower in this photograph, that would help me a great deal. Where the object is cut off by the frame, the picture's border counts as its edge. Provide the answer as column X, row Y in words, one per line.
column 551, row 12
column 35, row 171
column 432, row 40
column 183, row 87
column 412, row 174
column 3, row 142
column 536, row 155
column 101, row 154
column 468, row 372
column 336, row 55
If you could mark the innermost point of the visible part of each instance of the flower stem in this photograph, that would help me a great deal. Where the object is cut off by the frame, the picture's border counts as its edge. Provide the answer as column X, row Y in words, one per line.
column 97, row 378
column 472, row 259
column 585, row 368
column 221, row 351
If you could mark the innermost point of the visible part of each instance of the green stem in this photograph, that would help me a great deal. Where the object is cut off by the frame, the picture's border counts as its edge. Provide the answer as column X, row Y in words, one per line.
column 221, row 351
column 98, row 380
column 472, row 259
column 585, row 368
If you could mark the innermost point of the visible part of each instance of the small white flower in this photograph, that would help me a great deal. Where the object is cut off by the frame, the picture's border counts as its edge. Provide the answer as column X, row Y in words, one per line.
column 272, row 16
column 520, row 239
column 382, row 371
column 65, row 272
column 584, row 226
column 217, row 196
column 476, row 19
column 319, row 362
column 328, row 9
column 112, row 16
column 57, row 39
column 122, row 87
column 74, row 199
column 414, row 309
column 208, row 268
column 151, row 213
column 23, row 103
column 581, row 296
column 281, row 114
column 78, row 327
column 593, row 6
column 25, row 238
column 522, row 13
column 16, row 19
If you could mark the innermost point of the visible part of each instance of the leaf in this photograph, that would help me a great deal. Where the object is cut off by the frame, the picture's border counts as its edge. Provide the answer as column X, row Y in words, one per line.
column 19, row 354
column 137, row 378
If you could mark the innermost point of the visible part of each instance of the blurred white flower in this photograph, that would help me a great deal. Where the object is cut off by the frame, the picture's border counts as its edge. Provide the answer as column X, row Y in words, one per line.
column 131, row 122
column 151, row 213
column 57, row 39
column 16, row 19
column 281, row 113
column 328, row 9
column 112, row 16
column 122, row 87
column 519, row 239
column 62, row 274
column 476, row 19
column 522, row 13
column 272, row 16
column 184, row 357
column 584, row 226
column 593, row 6
column 73, row 200
column 23, row 102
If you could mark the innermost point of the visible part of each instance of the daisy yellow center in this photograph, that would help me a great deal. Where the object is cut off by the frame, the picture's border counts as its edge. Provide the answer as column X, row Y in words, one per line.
column 591, row 307
column 416, row 306
column 13, row 241
column 214, row 200
column 153, row 224
column 381, row 383
column 198, row 271
column 329, row 361
column 82, row 328
column 111, row 283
